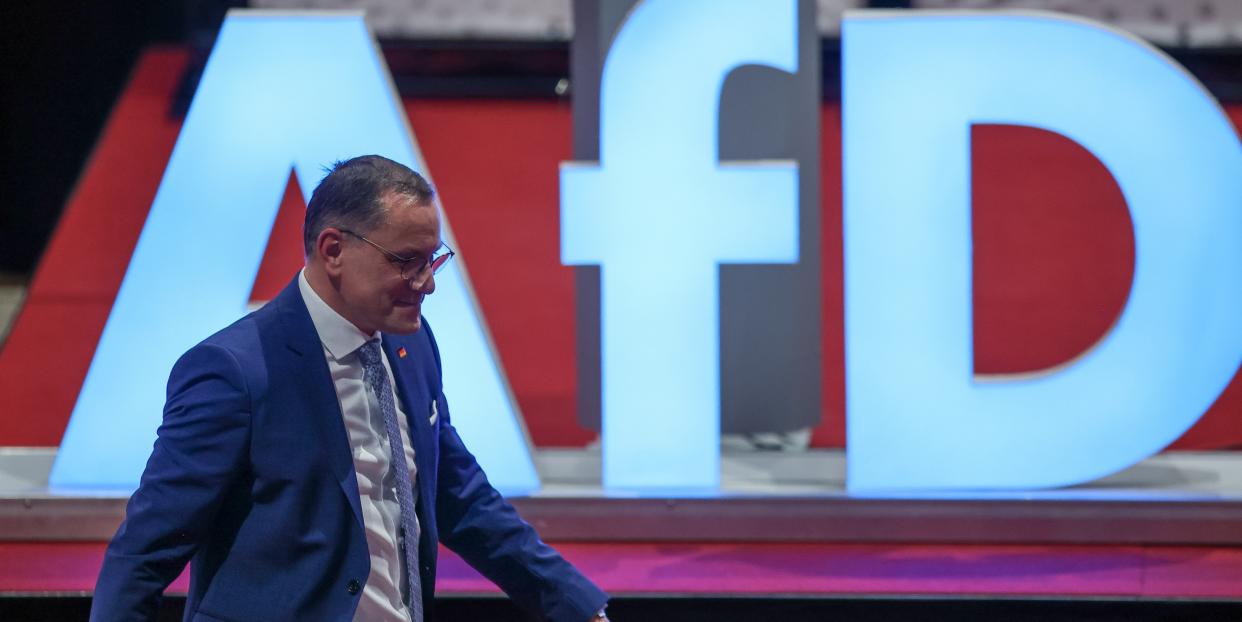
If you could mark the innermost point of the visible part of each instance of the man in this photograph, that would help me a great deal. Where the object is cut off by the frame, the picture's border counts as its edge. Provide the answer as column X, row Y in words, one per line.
column 272, row 470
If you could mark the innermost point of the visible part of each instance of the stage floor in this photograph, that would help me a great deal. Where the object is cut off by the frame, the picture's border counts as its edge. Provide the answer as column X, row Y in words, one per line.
column 1176, row 498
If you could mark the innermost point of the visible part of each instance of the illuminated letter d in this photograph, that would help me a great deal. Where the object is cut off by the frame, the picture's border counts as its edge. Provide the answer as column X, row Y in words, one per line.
column 913, row 86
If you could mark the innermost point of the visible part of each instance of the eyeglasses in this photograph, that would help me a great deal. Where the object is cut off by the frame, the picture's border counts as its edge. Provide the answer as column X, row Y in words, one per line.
column 413, row 269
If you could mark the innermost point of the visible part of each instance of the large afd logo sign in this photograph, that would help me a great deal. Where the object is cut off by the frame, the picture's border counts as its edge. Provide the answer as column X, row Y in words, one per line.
column 287, row 91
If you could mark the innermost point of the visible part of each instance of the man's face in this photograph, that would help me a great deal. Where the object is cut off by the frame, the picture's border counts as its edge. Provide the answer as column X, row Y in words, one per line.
column 371, row 286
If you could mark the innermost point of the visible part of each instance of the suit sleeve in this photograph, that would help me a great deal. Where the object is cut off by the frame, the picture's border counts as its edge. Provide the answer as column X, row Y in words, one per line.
column 479, row 525
column 198, row 452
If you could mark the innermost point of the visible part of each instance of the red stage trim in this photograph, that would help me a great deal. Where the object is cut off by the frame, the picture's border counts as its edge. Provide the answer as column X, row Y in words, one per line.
column 766, row 569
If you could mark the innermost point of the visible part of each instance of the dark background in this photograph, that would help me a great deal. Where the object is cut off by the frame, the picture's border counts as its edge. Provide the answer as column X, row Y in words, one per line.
column 690, row 608
column 64, row 63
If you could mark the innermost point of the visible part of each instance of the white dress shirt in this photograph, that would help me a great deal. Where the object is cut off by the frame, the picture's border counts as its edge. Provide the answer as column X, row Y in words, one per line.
column 383, row 598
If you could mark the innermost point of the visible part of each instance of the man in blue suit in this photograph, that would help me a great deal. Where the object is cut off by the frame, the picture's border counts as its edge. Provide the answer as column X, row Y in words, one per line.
column 306, row 466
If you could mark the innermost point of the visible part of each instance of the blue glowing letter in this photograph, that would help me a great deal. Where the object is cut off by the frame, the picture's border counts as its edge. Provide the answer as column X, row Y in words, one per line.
column 913, row 85
column 280, row 90
column 659, row 214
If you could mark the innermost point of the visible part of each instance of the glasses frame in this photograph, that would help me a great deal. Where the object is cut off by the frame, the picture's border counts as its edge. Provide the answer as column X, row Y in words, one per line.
column 435, row 262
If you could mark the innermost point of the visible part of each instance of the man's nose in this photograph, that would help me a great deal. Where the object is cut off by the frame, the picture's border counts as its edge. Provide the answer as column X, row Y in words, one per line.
column 427, row 286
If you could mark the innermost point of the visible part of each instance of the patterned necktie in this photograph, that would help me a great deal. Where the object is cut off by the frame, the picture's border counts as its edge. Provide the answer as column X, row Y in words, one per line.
column 377, row 378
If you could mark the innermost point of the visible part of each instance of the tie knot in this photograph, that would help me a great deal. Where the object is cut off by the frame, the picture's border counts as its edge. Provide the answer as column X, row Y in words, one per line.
column 369, row 353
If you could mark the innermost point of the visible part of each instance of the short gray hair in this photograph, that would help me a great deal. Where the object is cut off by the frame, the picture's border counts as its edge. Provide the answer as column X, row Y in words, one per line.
column 349, row 197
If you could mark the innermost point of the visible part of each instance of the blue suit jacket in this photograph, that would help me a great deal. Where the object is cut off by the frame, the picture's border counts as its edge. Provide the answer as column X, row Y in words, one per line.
column 252, row 480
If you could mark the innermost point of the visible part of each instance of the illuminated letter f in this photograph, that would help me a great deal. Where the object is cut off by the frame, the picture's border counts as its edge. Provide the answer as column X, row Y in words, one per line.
column 659, row 214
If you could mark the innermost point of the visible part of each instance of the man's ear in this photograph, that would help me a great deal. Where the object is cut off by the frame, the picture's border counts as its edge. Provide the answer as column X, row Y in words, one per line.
column 330, row 247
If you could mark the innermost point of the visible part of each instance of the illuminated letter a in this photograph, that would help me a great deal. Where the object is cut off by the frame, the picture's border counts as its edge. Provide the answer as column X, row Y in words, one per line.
column 280, row 91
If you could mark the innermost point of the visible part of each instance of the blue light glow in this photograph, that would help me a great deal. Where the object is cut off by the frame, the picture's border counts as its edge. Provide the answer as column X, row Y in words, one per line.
column 917, row 418
column 659, row 214
column 280, row 91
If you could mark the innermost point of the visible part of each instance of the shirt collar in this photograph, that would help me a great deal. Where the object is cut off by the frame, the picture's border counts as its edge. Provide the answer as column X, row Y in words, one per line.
column 338, row 335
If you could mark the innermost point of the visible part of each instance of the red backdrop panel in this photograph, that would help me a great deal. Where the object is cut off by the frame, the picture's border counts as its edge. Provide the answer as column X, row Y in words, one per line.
column 50, row 344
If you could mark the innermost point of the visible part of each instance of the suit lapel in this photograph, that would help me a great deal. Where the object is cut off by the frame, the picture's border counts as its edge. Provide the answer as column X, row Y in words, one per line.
column 315, row 381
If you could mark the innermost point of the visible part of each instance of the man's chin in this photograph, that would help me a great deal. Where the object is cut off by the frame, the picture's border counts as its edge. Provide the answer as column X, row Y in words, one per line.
column 406, row 321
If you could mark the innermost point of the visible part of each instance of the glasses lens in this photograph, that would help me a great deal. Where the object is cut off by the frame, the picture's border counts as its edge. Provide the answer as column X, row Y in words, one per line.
column 412, row 269
column 438, row 261
column 418, row 268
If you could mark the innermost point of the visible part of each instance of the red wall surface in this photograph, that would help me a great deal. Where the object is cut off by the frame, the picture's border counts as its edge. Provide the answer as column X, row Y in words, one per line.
column 1053, row 255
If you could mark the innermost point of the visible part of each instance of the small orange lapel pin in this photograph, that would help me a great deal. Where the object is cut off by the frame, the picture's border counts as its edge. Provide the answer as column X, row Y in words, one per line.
column 401, row 352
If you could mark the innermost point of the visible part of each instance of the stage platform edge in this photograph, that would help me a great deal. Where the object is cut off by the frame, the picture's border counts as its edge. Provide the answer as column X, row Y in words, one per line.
column 1175, row 498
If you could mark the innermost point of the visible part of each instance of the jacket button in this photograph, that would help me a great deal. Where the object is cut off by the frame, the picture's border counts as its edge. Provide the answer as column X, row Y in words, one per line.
column 353, row 586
